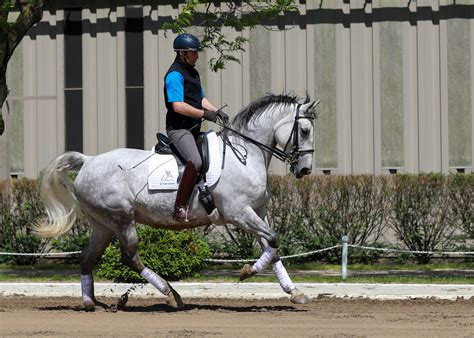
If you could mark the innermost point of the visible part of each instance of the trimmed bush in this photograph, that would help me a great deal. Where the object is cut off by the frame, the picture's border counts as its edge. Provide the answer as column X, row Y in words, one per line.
column 316, row 211
column 423, row 214
column 20, row 205
column 171, row 254
column 74, row 240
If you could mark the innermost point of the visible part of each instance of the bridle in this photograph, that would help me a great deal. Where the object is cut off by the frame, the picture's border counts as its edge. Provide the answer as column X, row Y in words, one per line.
column 295, row 153
column 291, row 157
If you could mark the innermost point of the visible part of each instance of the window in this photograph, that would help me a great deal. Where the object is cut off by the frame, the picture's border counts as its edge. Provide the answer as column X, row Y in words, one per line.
column 73, row 78
column 134, row 77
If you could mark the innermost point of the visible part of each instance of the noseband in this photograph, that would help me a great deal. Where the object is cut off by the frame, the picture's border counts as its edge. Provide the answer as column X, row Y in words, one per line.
column 295, row 153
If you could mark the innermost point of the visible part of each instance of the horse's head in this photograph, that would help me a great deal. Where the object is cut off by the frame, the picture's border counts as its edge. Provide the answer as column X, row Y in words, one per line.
column 295, row 134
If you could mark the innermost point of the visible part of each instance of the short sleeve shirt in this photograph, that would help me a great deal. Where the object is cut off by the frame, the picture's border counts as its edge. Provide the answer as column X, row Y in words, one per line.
column 174, row 82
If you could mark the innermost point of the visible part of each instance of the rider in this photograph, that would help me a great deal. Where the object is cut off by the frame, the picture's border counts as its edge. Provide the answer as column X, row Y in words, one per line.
column 186, row 105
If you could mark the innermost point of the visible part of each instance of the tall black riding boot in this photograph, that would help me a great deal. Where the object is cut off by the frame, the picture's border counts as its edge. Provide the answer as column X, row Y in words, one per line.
column 186, row 186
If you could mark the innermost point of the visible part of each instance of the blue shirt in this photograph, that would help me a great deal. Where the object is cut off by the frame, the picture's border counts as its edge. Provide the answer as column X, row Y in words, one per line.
column 174, row 82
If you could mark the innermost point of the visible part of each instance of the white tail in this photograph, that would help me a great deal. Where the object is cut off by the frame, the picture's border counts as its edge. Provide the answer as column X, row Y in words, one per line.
column 58, row 196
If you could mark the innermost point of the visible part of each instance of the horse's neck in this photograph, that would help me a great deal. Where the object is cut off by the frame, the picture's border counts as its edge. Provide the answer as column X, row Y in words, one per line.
column 262, row 130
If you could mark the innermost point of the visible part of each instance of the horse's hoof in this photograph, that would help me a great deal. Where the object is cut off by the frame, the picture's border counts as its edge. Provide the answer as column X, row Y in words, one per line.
column 246, row 272
column 89, row 304
column 298, row 297
column 174, row 300
column 122, row 301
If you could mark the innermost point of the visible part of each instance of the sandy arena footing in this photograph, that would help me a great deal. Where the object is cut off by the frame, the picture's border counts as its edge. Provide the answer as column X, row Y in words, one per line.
column 248, row 290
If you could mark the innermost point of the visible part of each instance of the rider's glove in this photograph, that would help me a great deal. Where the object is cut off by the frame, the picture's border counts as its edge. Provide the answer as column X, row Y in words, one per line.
column 222, row 116
column 214, row 116
column 210, row 115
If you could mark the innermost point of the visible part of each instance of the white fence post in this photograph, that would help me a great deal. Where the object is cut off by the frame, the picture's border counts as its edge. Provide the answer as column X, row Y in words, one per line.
column 345, row 249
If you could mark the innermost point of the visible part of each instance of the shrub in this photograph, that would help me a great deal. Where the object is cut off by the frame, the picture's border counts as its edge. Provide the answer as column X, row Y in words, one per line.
column 75, row 240
column 422, row 216
column 229, row 242
column 173, row 255
column 461, row 195
column 315, row 212
column 20, row 205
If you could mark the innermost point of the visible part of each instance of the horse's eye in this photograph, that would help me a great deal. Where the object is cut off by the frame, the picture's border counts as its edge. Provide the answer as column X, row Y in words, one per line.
column 304, row 132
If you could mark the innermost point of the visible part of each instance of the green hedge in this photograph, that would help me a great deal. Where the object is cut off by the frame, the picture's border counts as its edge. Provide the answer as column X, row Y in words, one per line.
column 20, row 205
column 428, row 212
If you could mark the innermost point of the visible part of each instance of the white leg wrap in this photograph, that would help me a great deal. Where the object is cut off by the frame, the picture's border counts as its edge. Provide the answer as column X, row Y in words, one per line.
column 87, row 287
column 264, row 260
column 283, row 277
column 156, row 281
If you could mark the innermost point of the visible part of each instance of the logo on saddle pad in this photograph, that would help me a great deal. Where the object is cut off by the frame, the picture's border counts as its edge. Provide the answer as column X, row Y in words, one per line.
column 163, row 169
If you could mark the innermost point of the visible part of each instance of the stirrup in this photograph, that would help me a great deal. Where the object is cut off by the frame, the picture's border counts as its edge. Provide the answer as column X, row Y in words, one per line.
column 182, row 214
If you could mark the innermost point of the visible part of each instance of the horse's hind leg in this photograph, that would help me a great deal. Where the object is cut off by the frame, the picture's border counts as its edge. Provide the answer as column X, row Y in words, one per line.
column 99, row 240
column 129, row 248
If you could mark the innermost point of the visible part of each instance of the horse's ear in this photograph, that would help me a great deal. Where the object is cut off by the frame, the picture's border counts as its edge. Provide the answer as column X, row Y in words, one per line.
column 307, row 106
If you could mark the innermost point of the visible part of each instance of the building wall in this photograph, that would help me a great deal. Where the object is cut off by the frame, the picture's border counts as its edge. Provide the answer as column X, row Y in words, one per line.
column 395, row 79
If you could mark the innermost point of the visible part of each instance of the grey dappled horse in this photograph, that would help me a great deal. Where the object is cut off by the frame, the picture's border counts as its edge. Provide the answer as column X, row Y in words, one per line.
column 113, row 198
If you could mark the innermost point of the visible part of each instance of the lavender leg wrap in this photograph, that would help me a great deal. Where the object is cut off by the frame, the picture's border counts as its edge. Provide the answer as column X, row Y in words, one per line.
column 283, row 277
column 87, row 287
column 156, row 281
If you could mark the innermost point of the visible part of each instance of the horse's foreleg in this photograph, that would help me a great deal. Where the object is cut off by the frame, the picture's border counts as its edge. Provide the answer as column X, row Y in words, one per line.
column 131, row 258
column 251, row 222
column 100, row 238
column 284, row 279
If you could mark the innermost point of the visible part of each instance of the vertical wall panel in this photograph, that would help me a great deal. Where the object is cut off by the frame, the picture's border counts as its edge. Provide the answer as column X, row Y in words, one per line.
column 429, row 89
column 166, row 56
column 107, row 80
column 151, row 75
column 376, row 97
column 46, row 86
column 325, row 84
column 472, row 93
column 410, row 94
column 278, row 79
column 343, row 85
column 246, row 91
column 60, row 112
column 390, row 63
column 295, row 54
column 30, row 112
column 118, row 24
column 260, row 72
column 362, row 89
column 457, row 79
column 231, row 80
column 89, row 80
column 443, row 82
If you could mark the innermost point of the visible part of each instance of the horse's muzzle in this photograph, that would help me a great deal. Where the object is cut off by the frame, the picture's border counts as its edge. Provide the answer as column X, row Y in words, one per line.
column 303, row 172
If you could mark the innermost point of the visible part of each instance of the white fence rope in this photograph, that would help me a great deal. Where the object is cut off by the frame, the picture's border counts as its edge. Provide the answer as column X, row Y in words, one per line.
column 309, row 253
column 44, row 254
column 282, row 257
column 445, row 253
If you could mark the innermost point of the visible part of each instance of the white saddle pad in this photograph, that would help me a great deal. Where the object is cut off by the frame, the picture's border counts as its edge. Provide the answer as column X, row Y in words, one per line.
column 163, row 171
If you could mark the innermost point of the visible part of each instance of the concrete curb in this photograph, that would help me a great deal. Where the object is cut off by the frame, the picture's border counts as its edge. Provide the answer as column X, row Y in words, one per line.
column 247, row 290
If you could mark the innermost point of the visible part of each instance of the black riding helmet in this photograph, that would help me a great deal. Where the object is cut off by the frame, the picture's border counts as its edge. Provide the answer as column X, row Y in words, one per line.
column 186, row 42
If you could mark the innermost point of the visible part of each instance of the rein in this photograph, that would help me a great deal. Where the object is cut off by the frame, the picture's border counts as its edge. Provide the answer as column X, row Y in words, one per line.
column 290, row 158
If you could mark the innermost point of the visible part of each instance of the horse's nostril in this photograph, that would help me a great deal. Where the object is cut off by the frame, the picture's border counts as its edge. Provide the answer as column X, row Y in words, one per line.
column 306, row 171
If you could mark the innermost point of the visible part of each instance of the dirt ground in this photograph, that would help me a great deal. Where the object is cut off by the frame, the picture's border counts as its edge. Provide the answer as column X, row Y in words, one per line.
column 65, row 317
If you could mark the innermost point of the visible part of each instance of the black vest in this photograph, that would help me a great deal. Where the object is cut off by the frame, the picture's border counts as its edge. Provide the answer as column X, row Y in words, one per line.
column 192, row 96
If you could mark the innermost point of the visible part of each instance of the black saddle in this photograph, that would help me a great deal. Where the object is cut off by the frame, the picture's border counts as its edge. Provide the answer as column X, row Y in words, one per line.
column 164, row 147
